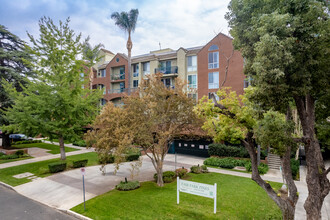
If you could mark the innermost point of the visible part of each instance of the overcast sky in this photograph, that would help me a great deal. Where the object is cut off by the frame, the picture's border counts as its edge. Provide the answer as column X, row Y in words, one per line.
column 173, row 23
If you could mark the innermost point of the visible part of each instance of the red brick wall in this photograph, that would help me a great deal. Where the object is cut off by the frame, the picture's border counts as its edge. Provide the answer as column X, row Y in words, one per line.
column 235, row 76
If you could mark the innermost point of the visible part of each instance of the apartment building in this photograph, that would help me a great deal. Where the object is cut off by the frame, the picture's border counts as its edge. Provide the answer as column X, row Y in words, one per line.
column 205, row 68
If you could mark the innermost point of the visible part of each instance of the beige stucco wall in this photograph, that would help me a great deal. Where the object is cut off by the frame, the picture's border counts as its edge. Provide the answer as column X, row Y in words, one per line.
column 181, row 63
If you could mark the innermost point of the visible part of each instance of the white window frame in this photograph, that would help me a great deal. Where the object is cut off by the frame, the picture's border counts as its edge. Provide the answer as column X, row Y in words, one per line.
column 214, row 64
column 215, row 80
column 146, row 72
column 101, row 75
column 193, row 66
column 191, row 85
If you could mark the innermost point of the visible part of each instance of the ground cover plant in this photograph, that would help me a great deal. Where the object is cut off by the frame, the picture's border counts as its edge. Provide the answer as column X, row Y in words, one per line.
column 238, row 198
column 19, row 155
column 53, row 149
column 41, row 169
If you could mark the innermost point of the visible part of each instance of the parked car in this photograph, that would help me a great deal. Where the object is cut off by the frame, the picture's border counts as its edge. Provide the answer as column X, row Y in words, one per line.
column 19, row 137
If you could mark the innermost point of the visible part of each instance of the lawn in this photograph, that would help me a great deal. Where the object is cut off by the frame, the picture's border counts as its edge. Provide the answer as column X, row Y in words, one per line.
column 238, row 198
column 53, row 149
column 41, row 168
column 12, row 160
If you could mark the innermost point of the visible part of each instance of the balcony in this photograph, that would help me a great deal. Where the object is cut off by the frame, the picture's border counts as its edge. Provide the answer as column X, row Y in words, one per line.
column 123, row 90
column 118, row 76
column 167, row 70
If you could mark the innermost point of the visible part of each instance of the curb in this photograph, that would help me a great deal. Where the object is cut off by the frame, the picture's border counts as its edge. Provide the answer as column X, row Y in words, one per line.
column 7, row 186
column 75, row 214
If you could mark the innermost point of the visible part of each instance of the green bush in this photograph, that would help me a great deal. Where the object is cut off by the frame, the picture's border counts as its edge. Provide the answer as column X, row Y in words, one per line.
column 227, row 162
column 295, row 168
column 80, row 143
column 168, row 176
column 262, row 168
column 132, row 157
column 223, row 150
column 57, row 167
column 19, row 153
column 181, row 172
column 28, row 142
column 106, row 158
column 79, row 163
column 204, row 169
column 129, row 185
column 196, row 169
column 9, row 157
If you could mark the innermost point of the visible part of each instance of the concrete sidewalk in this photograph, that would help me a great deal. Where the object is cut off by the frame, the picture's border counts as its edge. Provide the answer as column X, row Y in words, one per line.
column 48, row 156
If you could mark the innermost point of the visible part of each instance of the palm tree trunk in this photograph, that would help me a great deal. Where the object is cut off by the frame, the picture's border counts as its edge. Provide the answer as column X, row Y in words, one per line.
column 129, row 46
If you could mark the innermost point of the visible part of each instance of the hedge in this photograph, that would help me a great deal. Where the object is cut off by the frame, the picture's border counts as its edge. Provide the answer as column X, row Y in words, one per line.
column 57, row 167
column 129, row 185
column 79, row 163
column 168, row 176
column 80, row 143
column 262, row 168
column 228, row 162
column 223, row 150
column 27, row 142
column 131, row 157
column 295, row 168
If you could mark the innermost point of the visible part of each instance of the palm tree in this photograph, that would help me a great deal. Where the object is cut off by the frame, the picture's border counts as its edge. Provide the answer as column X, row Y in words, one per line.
column 91, row 54
column 127, row 22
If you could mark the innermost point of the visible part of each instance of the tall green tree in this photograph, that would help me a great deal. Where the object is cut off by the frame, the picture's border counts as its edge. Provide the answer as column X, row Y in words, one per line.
column 91, row 54
column 13, row 69
column 55, row 105
column 127, row 22
column 236, row 120
column 286, row 47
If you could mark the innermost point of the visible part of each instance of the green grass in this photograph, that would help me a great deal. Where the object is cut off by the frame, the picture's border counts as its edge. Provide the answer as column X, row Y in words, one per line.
column 238, row 198
column 41, row 168
column 12, row 160
column 57, row 141
column 53, row 149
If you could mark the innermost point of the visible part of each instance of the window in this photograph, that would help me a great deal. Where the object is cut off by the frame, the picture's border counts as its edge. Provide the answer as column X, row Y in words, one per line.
column 167, row 82
column 146, row 68
column 214, row 80
column 179, row 144
column 213, row 60
column 192, row 81
column 213, row 47
column 186, row 145
column 122, row 87
column 103, row 102
column 247, row 82
column 192, row 63
column 135, row 83
column 193, row 145
column 102, row 87
column 201, row 146
column 122, row 73
column 193, row 96
column 206, row 147
column 216, row 96
column 136, row 70
column 117, row 59
column 102, row 73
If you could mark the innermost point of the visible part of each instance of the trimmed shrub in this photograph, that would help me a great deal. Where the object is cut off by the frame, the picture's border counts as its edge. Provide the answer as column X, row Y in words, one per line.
column 168, row 176
column 181, row 172
column 19, row 153
column 105, row 159
column 57, row 167
column 129, row 185
column 196, row 169
column 28, row 142
column 80, row 143
column 262, row 168
column 79, row 163
column 8, row 157
column 204, row 169
column 131, row 157
column 227, row 162
column 223, row 150
column 295, row 168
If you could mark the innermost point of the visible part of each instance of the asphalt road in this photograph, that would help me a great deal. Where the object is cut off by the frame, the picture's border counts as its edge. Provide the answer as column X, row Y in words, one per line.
column 14, row 206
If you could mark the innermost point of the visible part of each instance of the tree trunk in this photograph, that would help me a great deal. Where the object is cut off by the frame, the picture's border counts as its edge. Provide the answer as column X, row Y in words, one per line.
column 62, row 149
column 160, row 181
column 286, row 204
column 129, row 46
column 91, row 76
column 317, row 182
column 5, row 141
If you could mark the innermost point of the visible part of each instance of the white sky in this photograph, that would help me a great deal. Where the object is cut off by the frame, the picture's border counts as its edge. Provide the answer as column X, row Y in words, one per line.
column 173, row 23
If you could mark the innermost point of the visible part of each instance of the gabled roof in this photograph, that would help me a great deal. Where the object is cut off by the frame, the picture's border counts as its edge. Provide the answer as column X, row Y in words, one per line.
column 107, row 51
column 216, row 37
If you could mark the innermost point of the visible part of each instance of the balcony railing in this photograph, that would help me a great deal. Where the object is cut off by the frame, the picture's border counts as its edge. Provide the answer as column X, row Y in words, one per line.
column 136, row 74
column 123, row 90
column 117, row 76
column 167, row 70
